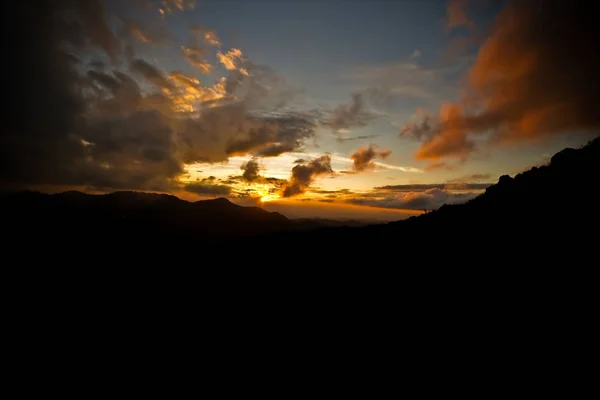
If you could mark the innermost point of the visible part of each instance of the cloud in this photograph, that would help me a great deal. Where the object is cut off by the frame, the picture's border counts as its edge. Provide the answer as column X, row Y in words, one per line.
column 169, row 6
column 451, row 139
column 412, row 196
column 527, row 83
column 150, row 72
column 207, row 189
column 127, row 151
column 421, row 187
column 363, row 157
column 251, row 170
column 232, row 129
column 415, row 54
column 208, row 36
column 407, row 81
column 105, row 80
column 211, row 38
column 339, row 158
column 187, row 94
column 195, row 52
column 275, row 149
column 195, row 57
column 304, row 174
column 429, row 199
column 34, row 143
column 155, row 34
column 273, row 134
column 350, row 115
column 90, row 22
column 119, row 122
column 420, row 129
column 361, row 137
column 456, row 14
column 471, row 178
column 231, row 59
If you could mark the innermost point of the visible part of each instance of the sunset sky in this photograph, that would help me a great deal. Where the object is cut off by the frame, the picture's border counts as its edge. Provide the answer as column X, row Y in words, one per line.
column 334, row 108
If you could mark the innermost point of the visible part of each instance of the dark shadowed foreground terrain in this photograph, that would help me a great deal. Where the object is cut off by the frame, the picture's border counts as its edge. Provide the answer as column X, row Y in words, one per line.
column 510, row 271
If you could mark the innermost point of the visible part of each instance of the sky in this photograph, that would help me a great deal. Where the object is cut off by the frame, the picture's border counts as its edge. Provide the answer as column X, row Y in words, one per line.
column 334, row 109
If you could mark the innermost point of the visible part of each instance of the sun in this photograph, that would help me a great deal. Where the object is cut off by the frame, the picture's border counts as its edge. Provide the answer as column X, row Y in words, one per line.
column 269, row 197
column 266, row 195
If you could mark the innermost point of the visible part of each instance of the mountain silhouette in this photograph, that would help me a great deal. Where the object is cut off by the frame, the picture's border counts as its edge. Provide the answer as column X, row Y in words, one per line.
column 553, row 204
column 156, row 219
column 133, row 215
column 511, row 271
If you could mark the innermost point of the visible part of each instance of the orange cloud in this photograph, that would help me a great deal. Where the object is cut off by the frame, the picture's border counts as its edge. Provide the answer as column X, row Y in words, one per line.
column 535, row 75
column 451, row 140
column 168, row 6
column 187, row 93
column 209, row 37
column 230, row 59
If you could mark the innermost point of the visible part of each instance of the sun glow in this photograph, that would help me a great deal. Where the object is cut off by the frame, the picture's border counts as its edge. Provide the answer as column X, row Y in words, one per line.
column 269, row 197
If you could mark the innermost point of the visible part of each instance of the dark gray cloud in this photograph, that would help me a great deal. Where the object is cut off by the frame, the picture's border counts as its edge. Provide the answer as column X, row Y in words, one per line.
column 131, row 151
column 350, row 115
column 35, row 142
column 304, row 174
column 275, row 149
column 251, row 170
column 106, row 127
column 273, row 135
column 252, row 174
column 350, row 139
column 208, row 189
column 105, row 80
column 150, row 73
column 276, row 181
column 332, row 192
column 419, row 130
column 363, row 157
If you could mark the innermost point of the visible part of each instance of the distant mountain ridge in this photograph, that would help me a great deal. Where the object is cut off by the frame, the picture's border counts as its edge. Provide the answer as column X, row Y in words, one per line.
column 552, row 203
column 139, row 213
